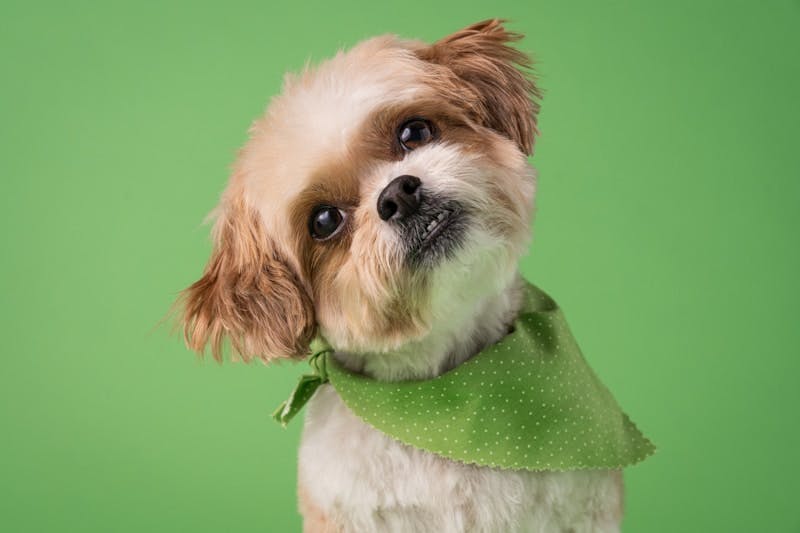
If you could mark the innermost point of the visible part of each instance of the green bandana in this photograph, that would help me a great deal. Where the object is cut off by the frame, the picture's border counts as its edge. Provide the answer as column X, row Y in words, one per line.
column 528, row 402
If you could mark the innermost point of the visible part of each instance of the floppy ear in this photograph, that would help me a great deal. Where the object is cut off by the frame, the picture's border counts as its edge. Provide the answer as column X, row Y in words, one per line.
column 503, row 94
column 248, row 293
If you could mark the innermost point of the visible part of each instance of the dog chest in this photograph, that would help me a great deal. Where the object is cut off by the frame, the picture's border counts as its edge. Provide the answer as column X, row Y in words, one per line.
column 365, row 481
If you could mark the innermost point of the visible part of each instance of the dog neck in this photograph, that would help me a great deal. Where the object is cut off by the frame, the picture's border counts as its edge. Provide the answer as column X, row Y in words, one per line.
column 445, row 348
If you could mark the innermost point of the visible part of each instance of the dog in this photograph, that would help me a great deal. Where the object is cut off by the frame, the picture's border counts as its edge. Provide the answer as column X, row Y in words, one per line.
column 383, row 203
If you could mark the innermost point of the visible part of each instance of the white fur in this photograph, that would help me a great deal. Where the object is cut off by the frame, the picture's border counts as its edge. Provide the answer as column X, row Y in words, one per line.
column 364, row 481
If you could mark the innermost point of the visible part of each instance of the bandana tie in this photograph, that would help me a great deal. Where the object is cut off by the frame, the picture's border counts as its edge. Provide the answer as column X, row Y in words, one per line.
column 529, row 402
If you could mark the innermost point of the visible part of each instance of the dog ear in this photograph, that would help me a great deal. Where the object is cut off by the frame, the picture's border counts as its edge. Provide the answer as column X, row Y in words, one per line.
column 503, row 94
column 248, row 293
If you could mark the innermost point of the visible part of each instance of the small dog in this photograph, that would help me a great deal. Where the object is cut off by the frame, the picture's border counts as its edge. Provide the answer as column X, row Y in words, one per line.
column 383, row 202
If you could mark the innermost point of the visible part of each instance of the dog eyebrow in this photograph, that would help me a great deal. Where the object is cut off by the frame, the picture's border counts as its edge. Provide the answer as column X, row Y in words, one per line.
column 331, row 190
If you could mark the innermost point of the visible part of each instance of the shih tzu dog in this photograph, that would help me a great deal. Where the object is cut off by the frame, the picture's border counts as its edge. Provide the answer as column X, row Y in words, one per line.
column 383, row 203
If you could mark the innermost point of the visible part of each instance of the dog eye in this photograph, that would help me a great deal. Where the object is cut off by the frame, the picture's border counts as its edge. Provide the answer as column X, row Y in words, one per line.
column 414, row 133
column 325, row 221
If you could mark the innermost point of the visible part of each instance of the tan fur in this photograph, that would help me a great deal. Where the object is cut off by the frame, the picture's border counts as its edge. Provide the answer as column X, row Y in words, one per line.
column 248, row 293
column 314, row 520
column 370, row 298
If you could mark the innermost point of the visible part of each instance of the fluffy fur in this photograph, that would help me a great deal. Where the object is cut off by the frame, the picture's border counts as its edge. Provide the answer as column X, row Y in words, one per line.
column 394, row 303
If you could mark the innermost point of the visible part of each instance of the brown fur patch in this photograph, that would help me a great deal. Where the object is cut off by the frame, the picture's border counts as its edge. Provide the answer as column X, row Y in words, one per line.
column 502, row 92
column 247, row 293
column 448, row 121
column 314, row 520
column 336, row 184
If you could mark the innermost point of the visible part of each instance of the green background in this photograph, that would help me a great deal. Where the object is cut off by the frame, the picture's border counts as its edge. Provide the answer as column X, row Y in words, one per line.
column 667, row 229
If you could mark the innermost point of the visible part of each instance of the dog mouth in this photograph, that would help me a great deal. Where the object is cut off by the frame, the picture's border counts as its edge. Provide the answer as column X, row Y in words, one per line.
column 436, row 227
column 436, row 235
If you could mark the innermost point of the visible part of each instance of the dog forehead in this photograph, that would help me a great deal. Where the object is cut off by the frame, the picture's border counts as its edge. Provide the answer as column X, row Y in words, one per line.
column 333, row 99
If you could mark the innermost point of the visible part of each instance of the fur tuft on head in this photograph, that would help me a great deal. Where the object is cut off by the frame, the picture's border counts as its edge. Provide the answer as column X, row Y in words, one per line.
column 505, row 96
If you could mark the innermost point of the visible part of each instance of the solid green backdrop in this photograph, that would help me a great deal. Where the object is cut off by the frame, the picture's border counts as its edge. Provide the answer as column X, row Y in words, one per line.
column 667, row 229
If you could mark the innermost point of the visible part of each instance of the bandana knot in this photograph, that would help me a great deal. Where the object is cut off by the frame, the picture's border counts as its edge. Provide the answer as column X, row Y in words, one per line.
column 307, row 384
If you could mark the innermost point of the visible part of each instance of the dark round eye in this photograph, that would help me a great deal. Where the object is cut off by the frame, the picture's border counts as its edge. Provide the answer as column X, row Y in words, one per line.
column 414, row 134
column 324, row 222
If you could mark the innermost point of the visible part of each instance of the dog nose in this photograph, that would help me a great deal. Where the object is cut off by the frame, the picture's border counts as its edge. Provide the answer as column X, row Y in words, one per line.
column 400, row 198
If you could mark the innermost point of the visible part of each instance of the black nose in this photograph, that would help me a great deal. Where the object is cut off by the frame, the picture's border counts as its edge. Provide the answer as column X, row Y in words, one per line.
column 400, row 198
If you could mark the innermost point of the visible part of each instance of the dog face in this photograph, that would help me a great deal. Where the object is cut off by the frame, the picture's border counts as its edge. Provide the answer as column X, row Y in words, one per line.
column 384, row 194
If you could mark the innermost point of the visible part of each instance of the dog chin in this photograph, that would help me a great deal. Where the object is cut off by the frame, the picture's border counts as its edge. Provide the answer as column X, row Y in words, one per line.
column 463, row 271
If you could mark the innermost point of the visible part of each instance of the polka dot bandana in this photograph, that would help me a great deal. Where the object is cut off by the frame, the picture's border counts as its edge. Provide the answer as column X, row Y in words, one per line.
column 528, row 402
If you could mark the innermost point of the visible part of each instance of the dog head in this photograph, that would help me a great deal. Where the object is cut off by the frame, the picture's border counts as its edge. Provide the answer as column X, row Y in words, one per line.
column 383, row 195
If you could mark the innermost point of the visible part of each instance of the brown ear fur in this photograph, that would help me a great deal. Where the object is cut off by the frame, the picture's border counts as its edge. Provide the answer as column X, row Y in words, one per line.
column 506, row 98
column 248, row 293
